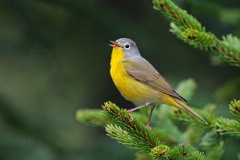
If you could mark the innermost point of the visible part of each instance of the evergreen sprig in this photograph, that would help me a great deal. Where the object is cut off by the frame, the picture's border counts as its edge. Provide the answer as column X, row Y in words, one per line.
column 96, row 117
column 234, row 107
column 180, row 152
column 123, row 137
column 187, row 28
column 227, row 126
column 139, row 134
column 135, row 135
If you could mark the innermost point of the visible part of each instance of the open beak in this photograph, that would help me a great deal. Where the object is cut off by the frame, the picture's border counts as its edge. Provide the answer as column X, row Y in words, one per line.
column 114, row 44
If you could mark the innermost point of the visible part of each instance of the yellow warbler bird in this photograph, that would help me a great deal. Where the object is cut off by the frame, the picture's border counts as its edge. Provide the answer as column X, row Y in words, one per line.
column 139, row 82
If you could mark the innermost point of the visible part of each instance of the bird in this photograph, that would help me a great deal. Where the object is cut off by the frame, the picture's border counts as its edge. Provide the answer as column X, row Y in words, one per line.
column 139, row 82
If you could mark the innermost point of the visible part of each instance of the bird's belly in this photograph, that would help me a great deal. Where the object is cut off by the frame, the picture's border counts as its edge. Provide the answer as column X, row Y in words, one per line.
column 133, row 90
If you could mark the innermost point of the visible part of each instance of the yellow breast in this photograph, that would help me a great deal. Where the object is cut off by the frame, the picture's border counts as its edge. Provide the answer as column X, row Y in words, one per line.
column 131, row 89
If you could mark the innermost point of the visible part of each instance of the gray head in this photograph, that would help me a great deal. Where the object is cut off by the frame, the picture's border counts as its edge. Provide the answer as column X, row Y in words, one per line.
column 129, row 47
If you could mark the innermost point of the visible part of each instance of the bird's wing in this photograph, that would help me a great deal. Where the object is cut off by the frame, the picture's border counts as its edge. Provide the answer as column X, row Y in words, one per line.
column 142, row 71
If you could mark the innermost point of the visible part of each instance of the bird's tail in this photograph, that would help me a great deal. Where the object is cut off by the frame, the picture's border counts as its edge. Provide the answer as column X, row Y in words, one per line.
column 187, row 108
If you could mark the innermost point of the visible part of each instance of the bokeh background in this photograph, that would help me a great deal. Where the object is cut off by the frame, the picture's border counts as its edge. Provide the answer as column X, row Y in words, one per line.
column 54, row 60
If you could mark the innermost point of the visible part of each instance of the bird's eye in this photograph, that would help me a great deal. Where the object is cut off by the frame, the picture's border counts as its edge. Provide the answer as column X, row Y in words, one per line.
column 127, row 45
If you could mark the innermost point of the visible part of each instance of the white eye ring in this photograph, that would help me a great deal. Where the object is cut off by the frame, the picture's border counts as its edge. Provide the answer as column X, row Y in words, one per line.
column 127, row 46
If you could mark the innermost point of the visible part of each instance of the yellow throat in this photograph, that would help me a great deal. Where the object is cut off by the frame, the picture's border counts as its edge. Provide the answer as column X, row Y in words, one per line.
column 131, row 89
column 117, row 70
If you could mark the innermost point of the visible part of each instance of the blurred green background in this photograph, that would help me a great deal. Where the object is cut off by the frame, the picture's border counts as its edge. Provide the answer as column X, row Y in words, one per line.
column 54, row 60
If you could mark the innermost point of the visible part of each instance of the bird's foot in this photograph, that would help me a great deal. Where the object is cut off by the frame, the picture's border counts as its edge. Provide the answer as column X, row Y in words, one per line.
column 148, row 127
column 131, row 117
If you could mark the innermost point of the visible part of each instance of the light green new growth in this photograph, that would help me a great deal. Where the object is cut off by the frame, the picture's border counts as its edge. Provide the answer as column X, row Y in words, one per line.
column 139, row 135
column 228, row 126
column 187, row 28
column 235, row 108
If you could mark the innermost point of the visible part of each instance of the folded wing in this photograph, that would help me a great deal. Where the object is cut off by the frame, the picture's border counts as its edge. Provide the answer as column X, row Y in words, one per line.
column 141, row 70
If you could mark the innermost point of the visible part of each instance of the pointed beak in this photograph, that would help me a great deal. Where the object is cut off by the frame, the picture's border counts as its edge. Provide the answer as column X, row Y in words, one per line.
column 114, row 44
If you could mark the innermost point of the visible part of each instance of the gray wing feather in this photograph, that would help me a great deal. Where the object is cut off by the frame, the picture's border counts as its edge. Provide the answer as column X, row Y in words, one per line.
column 141, row 70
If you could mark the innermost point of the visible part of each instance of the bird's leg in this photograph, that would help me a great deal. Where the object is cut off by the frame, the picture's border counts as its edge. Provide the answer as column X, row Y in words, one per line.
column 136, row 108
column 150, row 116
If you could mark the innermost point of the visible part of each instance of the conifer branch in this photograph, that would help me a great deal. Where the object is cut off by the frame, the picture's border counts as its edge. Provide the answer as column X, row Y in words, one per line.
column 230, row 127
column 187, row 28
column 96, row 117
column 135, row 135
column 129, row 139
column 180, row 152
column 234, row 107
column 227, row 126
column 138, row 133
column 123, row 137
